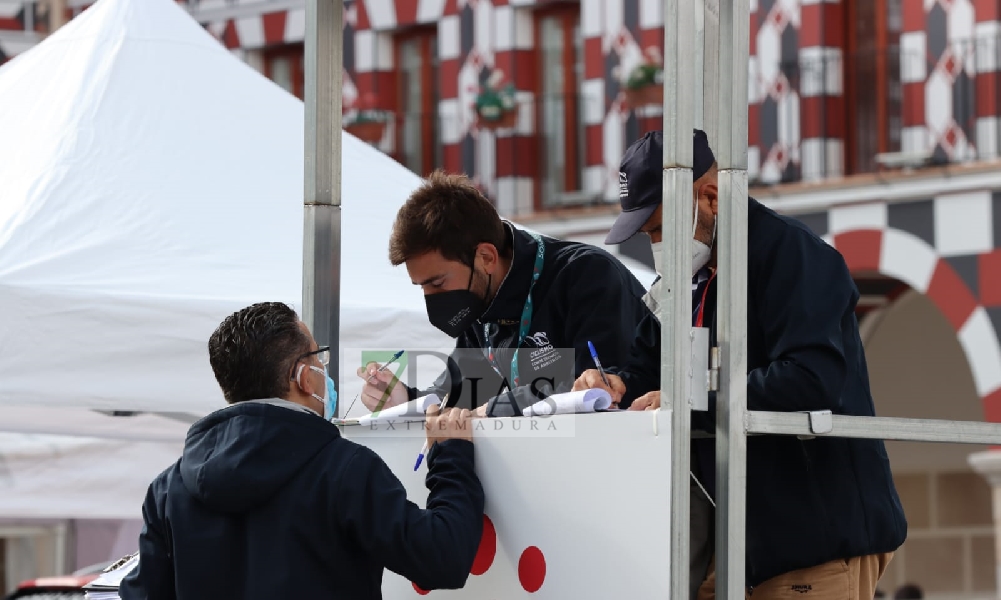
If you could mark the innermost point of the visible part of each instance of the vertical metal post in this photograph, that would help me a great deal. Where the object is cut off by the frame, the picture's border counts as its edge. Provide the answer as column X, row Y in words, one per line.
column 321, row 268
column 60, row 547
column 29, row 14
column 678, row 210
column 699, row 67
column 709, row 42
column 731, row 401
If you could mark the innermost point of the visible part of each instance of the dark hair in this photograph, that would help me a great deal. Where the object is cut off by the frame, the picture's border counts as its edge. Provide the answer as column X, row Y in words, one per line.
column 908, row 591
column 446, row 213
column 253, row 351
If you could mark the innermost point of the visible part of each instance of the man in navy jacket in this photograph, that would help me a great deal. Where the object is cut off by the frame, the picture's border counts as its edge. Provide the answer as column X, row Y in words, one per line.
column 823, row 515
column 521, row 307
column 269, row 501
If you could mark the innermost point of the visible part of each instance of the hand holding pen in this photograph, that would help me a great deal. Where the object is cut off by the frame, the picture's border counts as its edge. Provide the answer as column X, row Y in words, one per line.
column 381, row 389
column 598, row 378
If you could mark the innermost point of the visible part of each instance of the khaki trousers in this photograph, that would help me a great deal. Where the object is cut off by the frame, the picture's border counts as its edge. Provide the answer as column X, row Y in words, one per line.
column 701, row 539
column 851, row 579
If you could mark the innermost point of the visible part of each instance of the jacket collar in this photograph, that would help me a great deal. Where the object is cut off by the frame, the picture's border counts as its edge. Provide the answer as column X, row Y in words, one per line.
column 286, row 404
column 507, row 305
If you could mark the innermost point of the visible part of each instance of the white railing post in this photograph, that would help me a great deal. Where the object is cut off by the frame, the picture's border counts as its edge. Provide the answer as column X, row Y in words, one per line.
column 731, row 403
column 679, row 81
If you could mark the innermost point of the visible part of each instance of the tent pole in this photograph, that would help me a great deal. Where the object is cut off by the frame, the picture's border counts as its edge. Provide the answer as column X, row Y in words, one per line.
column 679, row 115
column 731, row 400
column 321, row 269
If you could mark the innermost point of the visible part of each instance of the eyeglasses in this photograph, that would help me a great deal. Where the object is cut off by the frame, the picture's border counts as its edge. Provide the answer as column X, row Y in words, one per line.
column 322, row 355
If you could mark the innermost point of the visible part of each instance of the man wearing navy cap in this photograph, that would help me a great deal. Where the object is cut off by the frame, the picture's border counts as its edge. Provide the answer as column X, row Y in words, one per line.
column 823, row 516
column 640, row 194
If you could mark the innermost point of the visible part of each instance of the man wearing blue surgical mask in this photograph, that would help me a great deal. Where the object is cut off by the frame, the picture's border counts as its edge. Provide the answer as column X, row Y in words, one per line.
column 269, row 501
column 823, row 516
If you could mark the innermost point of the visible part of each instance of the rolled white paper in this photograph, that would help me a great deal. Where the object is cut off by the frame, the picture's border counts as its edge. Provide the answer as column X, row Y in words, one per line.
column 408, row 411
column 571, row 402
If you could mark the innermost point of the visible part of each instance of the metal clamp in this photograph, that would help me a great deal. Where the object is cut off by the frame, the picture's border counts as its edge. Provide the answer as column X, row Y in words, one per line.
column 714, row 369
column 699, row 376
column 821, row 422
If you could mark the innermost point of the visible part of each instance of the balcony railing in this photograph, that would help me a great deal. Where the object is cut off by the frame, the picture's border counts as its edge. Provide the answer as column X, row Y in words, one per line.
column 830, row 116
column 875, row 110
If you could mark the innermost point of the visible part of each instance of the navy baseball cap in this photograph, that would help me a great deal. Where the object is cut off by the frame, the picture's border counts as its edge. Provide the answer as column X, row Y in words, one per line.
column 641, row 182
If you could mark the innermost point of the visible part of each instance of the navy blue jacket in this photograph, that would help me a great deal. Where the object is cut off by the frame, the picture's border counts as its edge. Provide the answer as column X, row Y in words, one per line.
column 270, row 502
column 583, row 294
column 808, row 501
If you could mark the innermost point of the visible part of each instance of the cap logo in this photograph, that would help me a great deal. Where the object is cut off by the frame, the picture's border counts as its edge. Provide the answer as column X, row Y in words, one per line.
column 623, row 185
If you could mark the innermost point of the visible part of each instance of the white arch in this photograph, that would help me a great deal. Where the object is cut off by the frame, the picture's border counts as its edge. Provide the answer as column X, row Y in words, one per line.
column 908, row 258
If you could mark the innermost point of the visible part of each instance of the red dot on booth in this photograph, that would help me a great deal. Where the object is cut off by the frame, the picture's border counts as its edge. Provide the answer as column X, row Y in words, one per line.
column 532, row 569
column 419, row 590
column 487, row 550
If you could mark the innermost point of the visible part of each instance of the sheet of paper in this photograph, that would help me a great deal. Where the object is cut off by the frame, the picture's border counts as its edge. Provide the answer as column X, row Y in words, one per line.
column 571, row 402
column 410, row 411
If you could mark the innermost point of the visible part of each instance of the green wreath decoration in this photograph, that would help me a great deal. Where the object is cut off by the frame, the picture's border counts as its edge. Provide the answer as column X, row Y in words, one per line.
column 362, row 117
column 491, row 104
column 644, row 75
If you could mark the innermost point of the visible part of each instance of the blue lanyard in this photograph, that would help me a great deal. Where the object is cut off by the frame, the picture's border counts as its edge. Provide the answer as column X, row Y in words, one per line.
column 526, row 318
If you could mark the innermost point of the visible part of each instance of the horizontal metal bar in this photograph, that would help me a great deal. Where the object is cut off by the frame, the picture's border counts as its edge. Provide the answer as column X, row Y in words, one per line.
column 880, row 428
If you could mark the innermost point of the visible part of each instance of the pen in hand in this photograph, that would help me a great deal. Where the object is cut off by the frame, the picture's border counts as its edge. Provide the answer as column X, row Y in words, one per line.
column 368, row 378
column 395, row 358
column 425, row 448
column 597, row 363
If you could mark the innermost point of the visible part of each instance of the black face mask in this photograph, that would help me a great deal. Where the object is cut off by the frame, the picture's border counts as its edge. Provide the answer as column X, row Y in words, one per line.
column 454, row 311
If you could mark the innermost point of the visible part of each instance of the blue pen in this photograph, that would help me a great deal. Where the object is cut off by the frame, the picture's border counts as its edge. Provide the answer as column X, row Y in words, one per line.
column 597, row 363
column 395, row 358
column 424, row 448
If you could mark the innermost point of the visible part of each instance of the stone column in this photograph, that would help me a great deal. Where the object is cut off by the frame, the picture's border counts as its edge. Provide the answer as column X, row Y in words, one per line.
column 56, row 13
column 988, row 464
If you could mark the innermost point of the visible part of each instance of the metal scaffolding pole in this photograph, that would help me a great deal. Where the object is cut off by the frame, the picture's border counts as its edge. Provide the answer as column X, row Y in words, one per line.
column 707, row 105
column 678, row 211
column 321, row 267
column 731, row 400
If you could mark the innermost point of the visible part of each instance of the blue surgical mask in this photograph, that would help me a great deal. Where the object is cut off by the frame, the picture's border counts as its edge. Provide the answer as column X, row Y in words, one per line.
column 330, row 402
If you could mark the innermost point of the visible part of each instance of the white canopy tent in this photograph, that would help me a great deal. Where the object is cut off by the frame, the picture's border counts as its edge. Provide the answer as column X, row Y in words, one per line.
column 153, row 185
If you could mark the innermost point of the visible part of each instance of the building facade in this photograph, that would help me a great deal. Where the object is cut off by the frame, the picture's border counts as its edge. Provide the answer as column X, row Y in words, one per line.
column 873, row 121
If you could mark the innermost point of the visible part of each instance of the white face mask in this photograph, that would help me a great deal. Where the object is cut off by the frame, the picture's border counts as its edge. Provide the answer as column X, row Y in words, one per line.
column 658, row 257
column 701, row 253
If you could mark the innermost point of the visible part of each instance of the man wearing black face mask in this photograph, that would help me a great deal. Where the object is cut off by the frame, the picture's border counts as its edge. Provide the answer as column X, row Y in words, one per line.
column 518, row 304
column 823, row 516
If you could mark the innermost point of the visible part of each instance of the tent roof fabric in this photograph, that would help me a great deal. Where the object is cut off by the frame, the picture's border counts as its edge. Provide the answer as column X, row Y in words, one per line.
column 155, row 187
column 153, row 184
